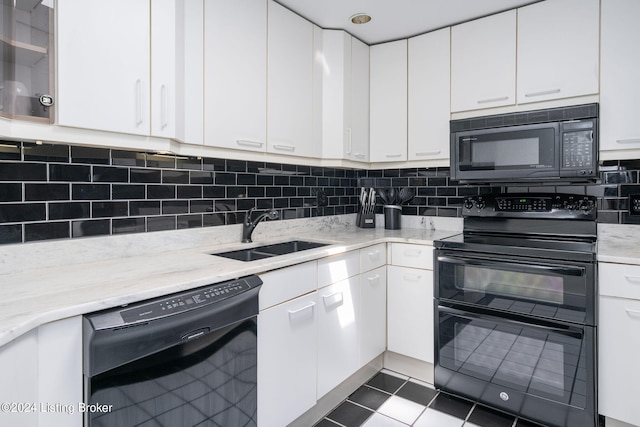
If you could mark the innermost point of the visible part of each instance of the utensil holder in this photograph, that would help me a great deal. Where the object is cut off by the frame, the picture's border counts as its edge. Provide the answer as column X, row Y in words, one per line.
column 392, row 217
column 366, row 220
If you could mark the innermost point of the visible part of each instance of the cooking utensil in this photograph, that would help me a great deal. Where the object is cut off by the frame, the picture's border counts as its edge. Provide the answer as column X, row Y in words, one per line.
column 405, row 194
column 392, row 196
column 384, row 196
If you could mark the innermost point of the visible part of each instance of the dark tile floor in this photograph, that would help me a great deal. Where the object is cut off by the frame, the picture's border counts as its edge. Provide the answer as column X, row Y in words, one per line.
column 393, row 400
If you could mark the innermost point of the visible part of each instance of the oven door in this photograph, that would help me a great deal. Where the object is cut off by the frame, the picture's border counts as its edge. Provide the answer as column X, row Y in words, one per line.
column 528, row 151
column 544, row 372
column 557, row 290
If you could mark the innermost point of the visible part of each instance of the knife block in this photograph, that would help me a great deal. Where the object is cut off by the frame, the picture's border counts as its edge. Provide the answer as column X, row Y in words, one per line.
column 366, row 220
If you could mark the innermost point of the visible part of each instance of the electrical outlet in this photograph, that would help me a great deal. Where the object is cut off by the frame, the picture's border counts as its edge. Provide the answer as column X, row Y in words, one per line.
column 634, row 204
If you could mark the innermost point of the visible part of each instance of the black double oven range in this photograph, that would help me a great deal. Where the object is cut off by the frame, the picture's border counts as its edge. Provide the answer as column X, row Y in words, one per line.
column 515, row 307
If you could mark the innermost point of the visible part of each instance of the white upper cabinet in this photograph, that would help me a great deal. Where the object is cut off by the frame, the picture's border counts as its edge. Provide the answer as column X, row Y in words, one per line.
column 558, row 50
column 104, row 61
column 290, row 83
column 429, row 96
column 177, row 70
column 483, row 63
column 235, row 63
column 388, row 102
column 620, row 85
column 345, row 97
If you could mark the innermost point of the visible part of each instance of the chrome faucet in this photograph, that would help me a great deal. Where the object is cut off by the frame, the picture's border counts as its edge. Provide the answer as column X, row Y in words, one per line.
column 248, row 226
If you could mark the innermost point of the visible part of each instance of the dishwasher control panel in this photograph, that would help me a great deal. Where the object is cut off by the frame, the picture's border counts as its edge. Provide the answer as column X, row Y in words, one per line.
column 184, row 301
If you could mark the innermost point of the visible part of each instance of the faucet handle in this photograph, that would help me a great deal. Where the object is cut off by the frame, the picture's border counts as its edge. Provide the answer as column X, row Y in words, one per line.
column 247, row 215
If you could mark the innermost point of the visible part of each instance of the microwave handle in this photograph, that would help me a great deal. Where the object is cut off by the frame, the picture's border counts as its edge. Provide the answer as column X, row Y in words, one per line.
column 559, row 269
column 475, row 316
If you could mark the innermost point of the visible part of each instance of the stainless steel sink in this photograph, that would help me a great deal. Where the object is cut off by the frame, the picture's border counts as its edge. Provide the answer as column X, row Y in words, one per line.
column 267, row 251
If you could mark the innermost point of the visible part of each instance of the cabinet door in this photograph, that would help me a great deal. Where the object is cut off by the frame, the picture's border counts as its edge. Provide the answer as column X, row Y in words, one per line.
column 620, row 86
column 357, row 148
column 290, row 83
column 338, row 310
column 164, row 39
column 558, row 50
column 483, row 62
column 287, row 355
column 410, row 312
column 336, row 96
column 104, row 65
column 429, row 95
column 618, row 350
column 19, row 372
column 388, row 102
column 235, row 74
column 373, row 314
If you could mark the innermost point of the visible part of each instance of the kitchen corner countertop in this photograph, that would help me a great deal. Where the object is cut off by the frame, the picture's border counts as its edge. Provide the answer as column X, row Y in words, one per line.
column 37, row 296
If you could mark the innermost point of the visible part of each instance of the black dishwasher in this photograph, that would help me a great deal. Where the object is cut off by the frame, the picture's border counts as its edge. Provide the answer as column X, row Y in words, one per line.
column 183, row 360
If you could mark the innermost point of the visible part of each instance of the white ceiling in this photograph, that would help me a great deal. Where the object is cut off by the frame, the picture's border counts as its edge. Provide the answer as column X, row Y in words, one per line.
column 396, row 19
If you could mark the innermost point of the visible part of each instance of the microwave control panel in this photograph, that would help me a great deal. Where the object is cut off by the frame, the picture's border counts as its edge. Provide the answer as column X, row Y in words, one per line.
column 578, row 147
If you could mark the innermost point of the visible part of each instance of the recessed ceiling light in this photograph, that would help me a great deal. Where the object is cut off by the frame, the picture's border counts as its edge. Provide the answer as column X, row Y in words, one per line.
column 360, row 18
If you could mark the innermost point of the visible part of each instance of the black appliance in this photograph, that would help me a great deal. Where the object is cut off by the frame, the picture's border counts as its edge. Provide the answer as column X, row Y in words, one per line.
column 182, row 360
column 559, row 144
column 515, row 307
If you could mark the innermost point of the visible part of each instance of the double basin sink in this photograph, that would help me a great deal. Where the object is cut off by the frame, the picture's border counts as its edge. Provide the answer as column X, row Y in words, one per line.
column 268, row 251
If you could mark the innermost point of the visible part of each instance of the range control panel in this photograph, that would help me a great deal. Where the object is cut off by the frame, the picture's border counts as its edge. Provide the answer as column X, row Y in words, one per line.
column 185, row 301
column 531, row 205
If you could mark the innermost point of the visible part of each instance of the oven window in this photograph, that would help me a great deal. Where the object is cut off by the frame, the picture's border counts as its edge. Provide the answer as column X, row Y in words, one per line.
column 506, row 152
column 501, row 283
column 523, row 358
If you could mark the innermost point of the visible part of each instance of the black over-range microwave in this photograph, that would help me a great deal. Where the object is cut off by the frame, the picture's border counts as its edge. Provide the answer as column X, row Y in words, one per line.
column 559, row 144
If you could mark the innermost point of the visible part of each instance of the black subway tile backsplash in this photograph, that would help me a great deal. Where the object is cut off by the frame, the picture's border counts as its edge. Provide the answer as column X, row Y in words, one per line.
column 59, row 191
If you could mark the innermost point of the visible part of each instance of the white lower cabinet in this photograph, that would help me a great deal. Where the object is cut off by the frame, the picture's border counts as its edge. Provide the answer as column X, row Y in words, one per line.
column 410, row 308
column 42, row 369
column 373, row 314
column 287, row 356
column 618, row 342
column 338, row 311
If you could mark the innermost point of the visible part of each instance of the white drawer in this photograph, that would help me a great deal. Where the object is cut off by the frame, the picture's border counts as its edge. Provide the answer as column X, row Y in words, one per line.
column 338, row 267
column 619, row 280
column 287, row 283
column 414, row 256
column 373, row 257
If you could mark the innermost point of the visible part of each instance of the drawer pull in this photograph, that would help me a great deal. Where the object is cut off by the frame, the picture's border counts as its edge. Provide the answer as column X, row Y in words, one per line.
column 248, row 143
column 633, row 279
column 374, row 255
column 359, row 155
column 412, row 277
column 332, row 299
column 394, row 155
column 283, row 147
column 633, row 313
column 628, row 141
column 301, row 309
column 428, row 153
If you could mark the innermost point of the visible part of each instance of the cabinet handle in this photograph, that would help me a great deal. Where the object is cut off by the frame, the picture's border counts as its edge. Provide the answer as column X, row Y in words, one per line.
column 165, row 106
column 358, row 155
column 373, row 279
column 412, row 277
column 428, row 153
column 374, row 255
column 332, row 299
column 349, row 147
column 284, row 147
column 412, row 252
column 247, row 143
column 489, row 100
column 301, row 309
column 628, row 141
column 138, row 102
column 394, row 155
column 633, row 279
column 633, row 313
column 544, row 92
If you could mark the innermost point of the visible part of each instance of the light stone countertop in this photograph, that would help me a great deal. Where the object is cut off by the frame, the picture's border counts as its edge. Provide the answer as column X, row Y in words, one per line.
column 619, row 243
column 48, row 281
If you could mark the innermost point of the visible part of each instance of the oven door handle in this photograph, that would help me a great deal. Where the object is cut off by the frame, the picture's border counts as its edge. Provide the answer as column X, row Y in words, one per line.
column 487, row 317
column 559, row 269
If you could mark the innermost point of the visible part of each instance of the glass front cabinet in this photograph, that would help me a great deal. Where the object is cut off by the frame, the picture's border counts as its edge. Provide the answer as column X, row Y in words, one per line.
column 26, row 48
